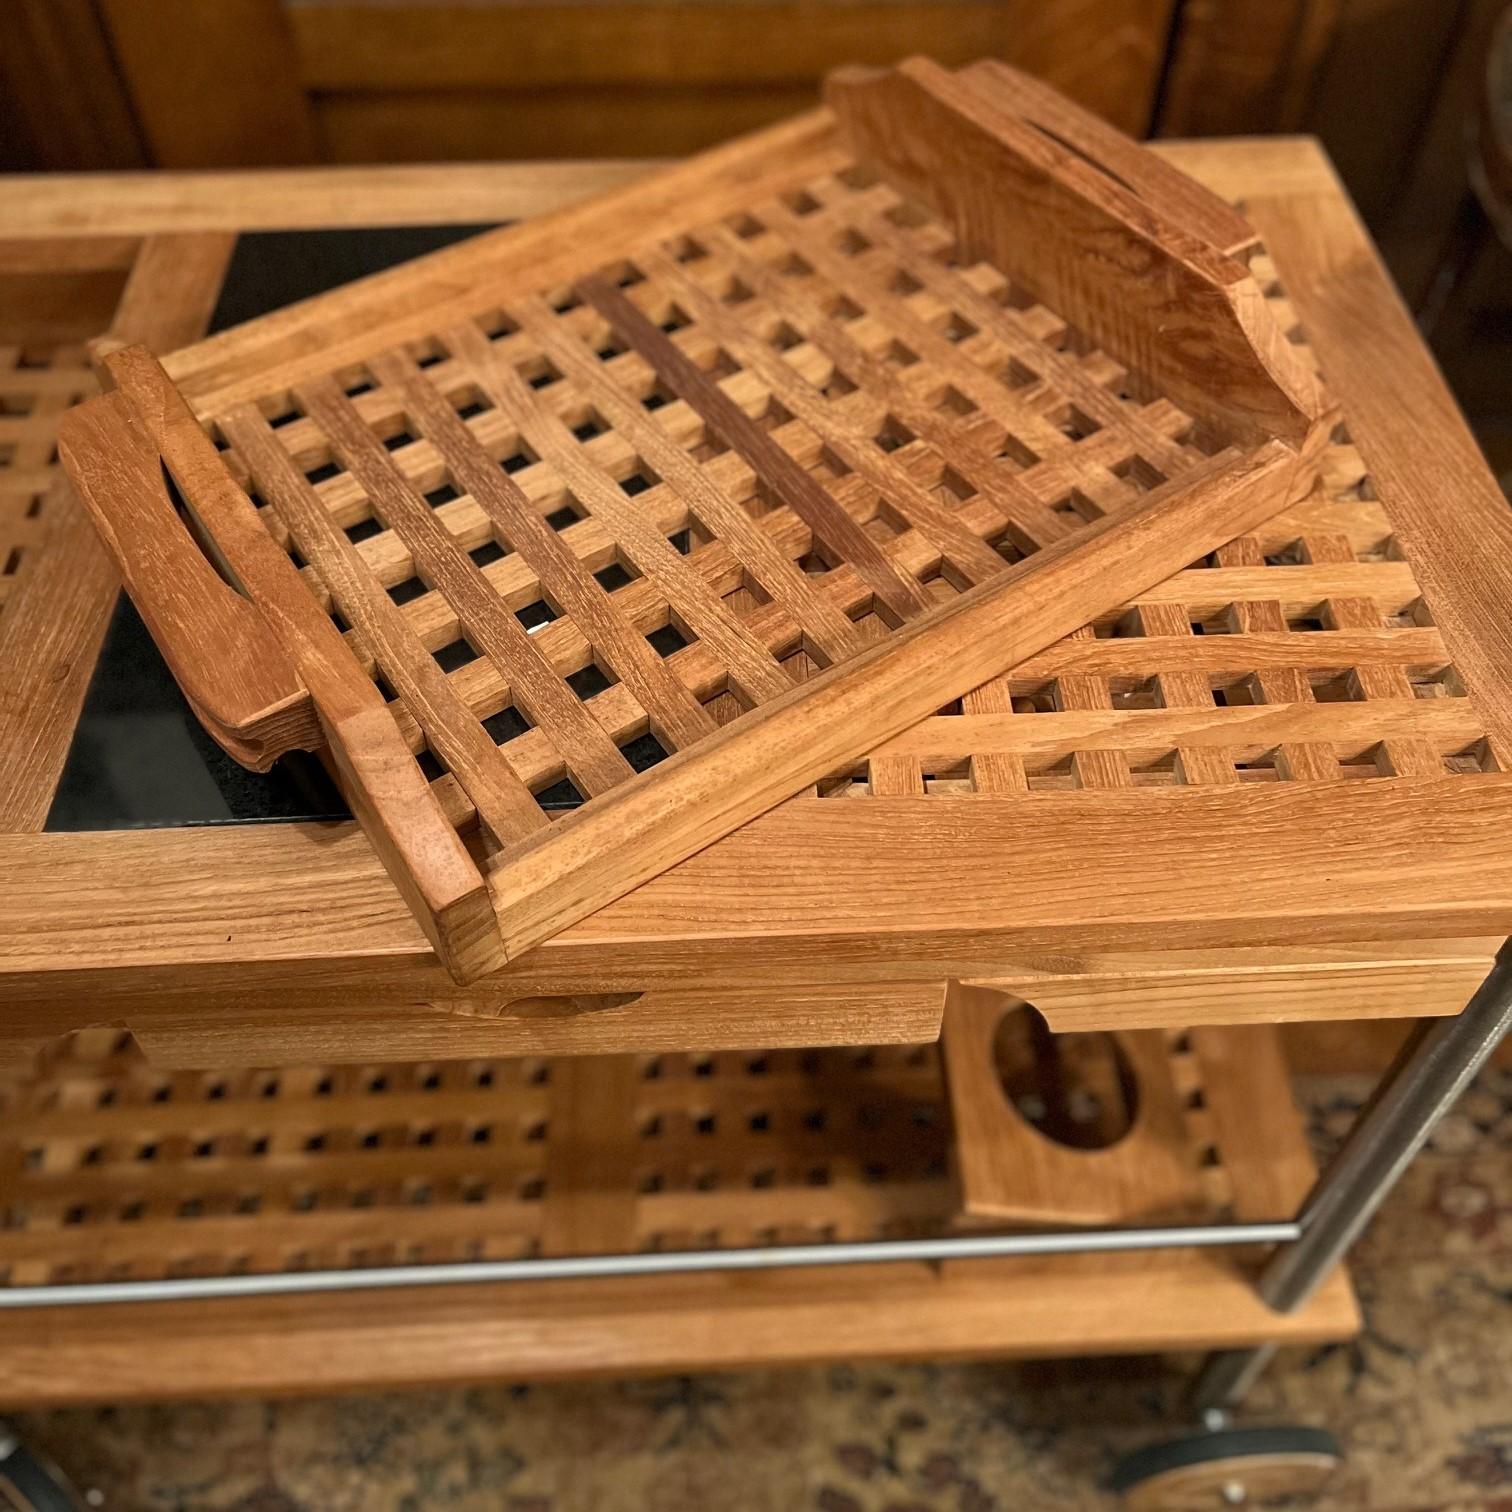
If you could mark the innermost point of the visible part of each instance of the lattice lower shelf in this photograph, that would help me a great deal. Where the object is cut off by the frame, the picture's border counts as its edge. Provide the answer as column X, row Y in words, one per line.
column 111, row 1169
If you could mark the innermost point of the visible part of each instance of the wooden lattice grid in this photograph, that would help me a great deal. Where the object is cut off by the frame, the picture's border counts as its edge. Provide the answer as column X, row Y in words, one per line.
column 865, row 355
column 112, row 1169
column 833, row 279
column 38, row 382
column 1379, row 647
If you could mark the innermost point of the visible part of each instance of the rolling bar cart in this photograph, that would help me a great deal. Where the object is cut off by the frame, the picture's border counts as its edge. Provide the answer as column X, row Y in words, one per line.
column 709, row 1125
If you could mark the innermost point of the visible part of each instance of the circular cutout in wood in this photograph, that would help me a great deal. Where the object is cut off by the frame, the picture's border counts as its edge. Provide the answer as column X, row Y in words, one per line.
column 1078, row 1090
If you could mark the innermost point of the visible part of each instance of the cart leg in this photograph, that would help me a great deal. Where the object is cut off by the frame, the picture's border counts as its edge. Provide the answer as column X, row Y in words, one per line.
column 1225, row 1466
column 1434, row 1068
column 31, row 1483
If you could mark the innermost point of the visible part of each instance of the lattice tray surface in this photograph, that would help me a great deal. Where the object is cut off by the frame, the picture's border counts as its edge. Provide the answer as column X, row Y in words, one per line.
column 1343, row 525
column 1341, row 581
column 1304, row 652
column 38, row 382
column 569, row 528
column 828, row 280
column 110, row 1169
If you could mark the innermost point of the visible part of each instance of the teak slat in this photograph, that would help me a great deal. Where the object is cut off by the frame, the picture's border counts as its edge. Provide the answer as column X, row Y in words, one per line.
column 44, row 205
column 172, row 288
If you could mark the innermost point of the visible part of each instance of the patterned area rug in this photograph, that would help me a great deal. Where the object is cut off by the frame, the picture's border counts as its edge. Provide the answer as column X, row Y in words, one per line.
column 1422, row 1402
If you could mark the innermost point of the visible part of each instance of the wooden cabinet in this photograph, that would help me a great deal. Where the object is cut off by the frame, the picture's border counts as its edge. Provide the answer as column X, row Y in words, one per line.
column 95, row 83
column 343, row 81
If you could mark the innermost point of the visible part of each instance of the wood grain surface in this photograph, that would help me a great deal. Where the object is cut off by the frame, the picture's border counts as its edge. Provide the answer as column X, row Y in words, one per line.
column 54, row 616
column 1073, row 231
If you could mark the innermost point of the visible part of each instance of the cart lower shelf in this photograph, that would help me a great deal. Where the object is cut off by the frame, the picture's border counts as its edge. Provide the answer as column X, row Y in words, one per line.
column 111, row 1169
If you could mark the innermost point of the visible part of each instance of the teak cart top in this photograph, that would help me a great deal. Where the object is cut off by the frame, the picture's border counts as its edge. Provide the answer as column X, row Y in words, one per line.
column 971, row 883
column 720, row 476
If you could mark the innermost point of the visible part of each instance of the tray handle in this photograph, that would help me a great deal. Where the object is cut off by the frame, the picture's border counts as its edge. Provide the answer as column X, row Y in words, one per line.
column 1175, row 196
column 239, row 679
column 1071, row 211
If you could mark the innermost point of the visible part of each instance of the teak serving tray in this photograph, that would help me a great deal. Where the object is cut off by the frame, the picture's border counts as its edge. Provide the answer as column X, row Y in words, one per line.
column 668, row 479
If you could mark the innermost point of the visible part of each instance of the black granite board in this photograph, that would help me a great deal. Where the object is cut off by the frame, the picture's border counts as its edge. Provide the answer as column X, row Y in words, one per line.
column 139, row 758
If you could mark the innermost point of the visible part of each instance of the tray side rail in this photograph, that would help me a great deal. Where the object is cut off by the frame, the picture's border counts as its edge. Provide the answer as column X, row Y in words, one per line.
column 267, row 673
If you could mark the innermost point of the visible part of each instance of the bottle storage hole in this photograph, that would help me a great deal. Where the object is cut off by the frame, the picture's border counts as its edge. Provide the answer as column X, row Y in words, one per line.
column 1077, row 1090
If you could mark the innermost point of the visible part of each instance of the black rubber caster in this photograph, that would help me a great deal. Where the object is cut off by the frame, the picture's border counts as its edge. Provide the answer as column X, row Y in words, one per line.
column 1226, row 1468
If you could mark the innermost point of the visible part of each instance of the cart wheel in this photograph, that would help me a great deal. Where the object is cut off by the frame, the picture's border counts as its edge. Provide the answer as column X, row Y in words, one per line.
column 1233, row 1467
column 31, row 1483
